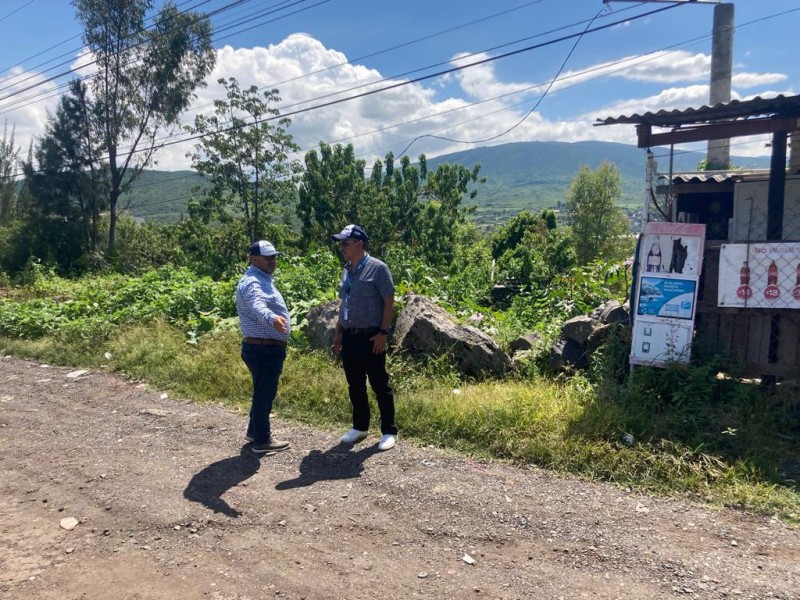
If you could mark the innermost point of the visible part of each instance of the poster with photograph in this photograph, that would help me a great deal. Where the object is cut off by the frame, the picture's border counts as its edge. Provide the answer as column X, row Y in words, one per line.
column 672, row 248
column 659, row 341
column 759, row 275
column 662, row 297
column 670, row 261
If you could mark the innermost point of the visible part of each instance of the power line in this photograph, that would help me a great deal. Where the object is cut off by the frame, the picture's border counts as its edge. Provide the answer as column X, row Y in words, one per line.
column 424, row 77
column 16, row 10
column 529, row 113
column 92, row 62
column 247, row 19
column 433, row 75
column 70, row 54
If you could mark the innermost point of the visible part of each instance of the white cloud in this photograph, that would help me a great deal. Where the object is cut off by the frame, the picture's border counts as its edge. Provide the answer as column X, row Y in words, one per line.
column 391, row 119
column 750, row 80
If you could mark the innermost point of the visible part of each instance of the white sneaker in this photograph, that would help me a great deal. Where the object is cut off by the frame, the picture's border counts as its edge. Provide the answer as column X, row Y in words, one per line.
column 353, row 436
column 387, row 442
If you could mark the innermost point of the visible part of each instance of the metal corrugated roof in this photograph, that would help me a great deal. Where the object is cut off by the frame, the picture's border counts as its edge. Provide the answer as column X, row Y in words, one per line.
column 717, row 176
column 781, row 106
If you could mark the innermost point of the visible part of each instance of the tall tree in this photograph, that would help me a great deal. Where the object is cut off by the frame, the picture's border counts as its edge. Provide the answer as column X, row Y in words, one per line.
column 145, row 78
column 245, row 153
column 402, row 205
column 332, row 193
column 9, row 162
column 599, row 226
column 71, row 182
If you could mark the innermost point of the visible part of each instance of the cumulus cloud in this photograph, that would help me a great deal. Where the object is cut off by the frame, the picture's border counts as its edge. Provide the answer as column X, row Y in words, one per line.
column 473, row 104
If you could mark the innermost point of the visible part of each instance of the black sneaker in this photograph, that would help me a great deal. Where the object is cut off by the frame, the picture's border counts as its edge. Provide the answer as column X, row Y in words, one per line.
column 270, row 447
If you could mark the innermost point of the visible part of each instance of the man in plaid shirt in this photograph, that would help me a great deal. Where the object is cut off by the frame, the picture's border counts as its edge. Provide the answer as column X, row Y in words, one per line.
column 265, row 324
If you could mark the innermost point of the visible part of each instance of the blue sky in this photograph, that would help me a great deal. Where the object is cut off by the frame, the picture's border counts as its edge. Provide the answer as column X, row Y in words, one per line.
column 649, row 63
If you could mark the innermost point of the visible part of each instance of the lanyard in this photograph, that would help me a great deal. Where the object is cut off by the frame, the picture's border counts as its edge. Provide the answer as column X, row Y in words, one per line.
column 347, row 280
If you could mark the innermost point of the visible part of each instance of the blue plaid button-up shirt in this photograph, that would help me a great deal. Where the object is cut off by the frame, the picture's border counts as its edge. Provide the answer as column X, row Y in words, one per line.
column 258, row 302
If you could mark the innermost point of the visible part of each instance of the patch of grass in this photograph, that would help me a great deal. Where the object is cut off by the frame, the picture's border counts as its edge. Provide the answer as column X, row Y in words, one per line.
column 571, row 426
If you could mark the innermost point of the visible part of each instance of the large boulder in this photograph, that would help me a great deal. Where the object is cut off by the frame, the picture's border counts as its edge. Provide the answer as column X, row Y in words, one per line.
column 321, row 326
column 424, row 329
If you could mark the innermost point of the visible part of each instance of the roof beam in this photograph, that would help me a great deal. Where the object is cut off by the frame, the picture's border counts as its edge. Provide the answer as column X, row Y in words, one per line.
column 714, row 131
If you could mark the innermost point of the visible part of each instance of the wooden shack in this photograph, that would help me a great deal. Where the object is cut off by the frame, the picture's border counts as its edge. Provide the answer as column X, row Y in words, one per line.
column 737, row 206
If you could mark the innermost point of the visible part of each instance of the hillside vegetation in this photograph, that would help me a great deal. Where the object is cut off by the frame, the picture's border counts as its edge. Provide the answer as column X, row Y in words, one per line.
column 519, row 176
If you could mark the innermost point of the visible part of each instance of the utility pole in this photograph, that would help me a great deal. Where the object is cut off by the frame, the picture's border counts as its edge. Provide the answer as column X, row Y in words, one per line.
column 718, row 154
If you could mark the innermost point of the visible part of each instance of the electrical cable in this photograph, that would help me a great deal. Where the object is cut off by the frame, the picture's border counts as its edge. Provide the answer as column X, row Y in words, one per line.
column 406, row 83
column 71, row 54
column 16, row 10
column 528, row 114
column 56, row 92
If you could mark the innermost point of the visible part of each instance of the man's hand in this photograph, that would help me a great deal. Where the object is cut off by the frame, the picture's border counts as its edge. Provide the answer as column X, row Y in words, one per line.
column 378, row 343
column 279, row 323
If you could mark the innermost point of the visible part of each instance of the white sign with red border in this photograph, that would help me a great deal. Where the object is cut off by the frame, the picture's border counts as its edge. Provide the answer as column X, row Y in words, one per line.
column 759, row 275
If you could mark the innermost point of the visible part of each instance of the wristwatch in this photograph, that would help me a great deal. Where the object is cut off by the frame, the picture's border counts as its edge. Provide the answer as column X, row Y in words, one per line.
column 383, row 331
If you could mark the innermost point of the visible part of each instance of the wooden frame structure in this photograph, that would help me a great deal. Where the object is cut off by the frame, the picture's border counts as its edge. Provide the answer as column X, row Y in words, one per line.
column 760, row 342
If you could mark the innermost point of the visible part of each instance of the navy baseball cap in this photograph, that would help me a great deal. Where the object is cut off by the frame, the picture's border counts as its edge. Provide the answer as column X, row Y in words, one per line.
column 351, row 232
column 263, row 248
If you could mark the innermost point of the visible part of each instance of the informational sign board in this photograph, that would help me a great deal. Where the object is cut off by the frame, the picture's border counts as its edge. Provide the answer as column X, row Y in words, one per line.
column 672, row 248
column 759, row 275
column 663, row 297
column 658, row 341
column 670, row 261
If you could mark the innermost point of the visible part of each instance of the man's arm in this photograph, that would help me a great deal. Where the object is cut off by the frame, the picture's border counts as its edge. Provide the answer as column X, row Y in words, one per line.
column 379, row 339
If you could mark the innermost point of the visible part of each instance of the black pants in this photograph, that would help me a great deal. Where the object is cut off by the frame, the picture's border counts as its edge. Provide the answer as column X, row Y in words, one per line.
column 361, row 363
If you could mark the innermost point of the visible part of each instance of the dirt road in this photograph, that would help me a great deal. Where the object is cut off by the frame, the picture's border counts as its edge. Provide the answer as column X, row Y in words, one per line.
column 170, row 504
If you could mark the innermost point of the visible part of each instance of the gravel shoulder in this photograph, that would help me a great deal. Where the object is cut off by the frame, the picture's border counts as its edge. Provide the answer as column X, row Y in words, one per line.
column 169, row 503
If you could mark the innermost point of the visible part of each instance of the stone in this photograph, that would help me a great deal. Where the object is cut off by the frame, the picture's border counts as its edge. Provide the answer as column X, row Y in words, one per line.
column 69, row 523
column 529, row 341
column 614, row 312
column 566, row 354
column 321, row 325
column 425, row 330
column 578, row 329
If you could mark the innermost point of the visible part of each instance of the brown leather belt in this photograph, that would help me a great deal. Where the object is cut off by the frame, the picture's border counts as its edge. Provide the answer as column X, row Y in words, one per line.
column 263, row 342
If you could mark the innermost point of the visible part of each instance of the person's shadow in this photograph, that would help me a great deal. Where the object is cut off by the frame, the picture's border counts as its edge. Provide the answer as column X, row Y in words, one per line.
column 337, row 462
column 208, row 486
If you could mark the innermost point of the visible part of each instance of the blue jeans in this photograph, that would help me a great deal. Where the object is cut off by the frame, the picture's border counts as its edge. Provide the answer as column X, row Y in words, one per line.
column 265, row 364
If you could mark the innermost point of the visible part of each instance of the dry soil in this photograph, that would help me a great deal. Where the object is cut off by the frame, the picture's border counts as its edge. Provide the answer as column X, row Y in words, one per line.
column 170, row 503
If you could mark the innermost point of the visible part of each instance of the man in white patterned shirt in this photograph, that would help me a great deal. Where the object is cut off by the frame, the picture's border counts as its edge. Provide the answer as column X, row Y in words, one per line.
column 265, row 324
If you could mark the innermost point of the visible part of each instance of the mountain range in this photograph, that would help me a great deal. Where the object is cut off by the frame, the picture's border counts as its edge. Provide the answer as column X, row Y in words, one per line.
column 519, row 176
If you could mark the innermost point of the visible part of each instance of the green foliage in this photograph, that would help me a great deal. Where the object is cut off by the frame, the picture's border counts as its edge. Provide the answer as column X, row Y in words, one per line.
column 333, row 192
column 403, row 205
column 9, row 162
column 174, row 295
column 599, row 227
column 146, row 78
column 576, row 292
column 244, row 155
column 531, row 250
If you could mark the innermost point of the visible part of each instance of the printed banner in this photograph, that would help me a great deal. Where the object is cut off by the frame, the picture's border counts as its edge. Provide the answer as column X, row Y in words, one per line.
column 670, row 261
column 672, row 248
column 657, row 342
column 662, row 297
column 759, row 275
